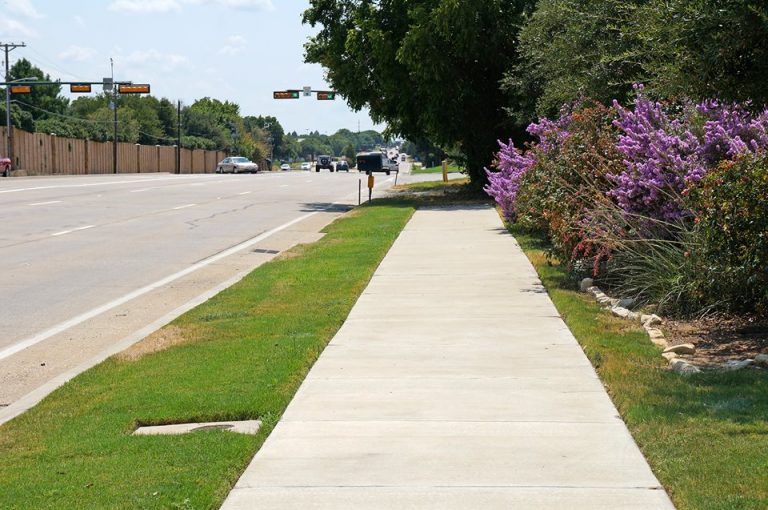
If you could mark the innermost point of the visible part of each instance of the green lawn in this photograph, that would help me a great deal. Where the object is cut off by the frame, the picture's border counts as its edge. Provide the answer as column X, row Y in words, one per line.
column 244, row 354
column 706, row 436
column 452, row 167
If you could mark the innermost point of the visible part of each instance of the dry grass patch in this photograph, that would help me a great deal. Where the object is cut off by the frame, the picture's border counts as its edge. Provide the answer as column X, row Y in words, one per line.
column 160, row 340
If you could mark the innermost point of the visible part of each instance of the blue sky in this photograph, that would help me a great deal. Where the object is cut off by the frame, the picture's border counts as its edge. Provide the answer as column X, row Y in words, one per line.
column 235, row 50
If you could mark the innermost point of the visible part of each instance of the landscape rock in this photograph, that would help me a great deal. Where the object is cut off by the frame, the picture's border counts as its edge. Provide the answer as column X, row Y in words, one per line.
column 586, row 284
column 657, row 337
column 734, row 365
column 669, row 356
column 633, row 316
column 681, row 349
column 627, row 302
column 652, row 320
column 683, row 367
column 620, row 312
column 761, row 360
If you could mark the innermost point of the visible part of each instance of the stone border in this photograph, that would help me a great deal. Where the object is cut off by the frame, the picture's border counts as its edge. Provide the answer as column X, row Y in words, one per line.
column 620, row 308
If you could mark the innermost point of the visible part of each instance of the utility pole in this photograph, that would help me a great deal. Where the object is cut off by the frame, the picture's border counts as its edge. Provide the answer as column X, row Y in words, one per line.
column 114, row 107
column 8, row 47
column 178, row 138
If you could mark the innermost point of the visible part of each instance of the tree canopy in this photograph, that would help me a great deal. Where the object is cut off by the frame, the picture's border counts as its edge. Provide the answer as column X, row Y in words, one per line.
column 428, row 68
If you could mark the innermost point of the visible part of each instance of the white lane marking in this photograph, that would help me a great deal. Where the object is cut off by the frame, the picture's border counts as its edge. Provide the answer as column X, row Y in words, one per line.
column 47, row 203
column 308, row 180
column 183, row 206
column 64, row 232
column 245, row 193
column 44, row 335
column 140, row 190
column 283, row 185
column 90, row 184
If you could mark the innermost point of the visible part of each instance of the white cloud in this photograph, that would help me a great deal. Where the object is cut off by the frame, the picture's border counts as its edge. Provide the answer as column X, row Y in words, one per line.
column 150, row 57
column 78, row 53
column 145, row 6
column 12, row 28
column 23, row 8
column 235, row 46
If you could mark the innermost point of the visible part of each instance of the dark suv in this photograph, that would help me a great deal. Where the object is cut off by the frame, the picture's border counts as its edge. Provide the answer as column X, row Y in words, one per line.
column 342, row 165
column 324, row 161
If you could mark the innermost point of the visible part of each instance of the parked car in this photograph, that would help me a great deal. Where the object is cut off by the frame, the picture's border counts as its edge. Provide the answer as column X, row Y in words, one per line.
column 285, row 166
column 368, row 162
column 342, row 166
column 5, row 166
column 236, row 165
column 306, row 166
column 324, row 161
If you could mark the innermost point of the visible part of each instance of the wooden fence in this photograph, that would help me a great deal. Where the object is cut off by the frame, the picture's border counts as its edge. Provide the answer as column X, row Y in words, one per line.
column 44, row 154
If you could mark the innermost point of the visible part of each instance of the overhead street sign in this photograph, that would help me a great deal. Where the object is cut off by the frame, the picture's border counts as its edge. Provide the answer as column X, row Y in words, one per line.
column 133, row 89
column 326, row 96
column 307, row 91
column 285, row 94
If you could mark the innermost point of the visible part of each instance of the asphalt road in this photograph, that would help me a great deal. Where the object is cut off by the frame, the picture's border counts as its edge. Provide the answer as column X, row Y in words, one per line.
column 72, row 244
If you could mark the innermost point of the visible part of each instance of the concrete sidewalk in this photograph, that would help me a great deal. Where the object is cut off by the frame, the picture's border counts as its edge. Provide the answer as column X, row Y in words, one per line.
column 453, row 384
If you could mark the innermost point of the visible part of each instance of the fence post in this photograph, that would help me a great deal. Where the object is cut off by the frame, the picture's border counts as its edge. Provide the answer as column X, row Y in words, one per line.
column 52, row 141
column 138, row 158
column 157, row 151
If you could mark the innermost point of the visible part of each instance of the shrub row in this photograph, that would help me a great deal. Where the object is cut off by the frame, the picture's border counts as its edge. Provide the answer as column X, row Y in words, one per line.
column 666, row 202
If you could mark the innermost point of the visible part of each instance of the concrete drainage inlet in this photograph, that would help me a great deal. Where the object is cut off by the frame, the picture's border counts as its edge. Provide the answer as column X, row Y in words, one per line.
column 241, row 427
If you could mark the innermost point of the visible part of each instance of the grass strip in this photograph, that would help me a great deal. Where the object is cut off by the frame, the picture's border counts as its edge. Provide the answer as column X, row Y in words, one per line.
column 705, row 436
column 241, row 355
column 452, row 167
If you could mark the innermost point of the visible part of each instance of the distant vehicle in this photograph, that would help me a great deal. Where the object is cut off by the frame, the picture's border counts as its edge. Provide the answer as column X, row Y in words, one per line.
column 324, row 161
column 285, row 166
column 236, row 165
column 342, row 166
column 306, row 166
column 5, row 166
column 368, row 162
column 402, row 157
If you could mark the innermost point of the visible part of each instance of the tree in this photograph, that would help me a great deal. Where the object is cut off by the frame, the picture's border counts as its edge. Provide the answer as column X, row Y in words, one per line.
column 44, row 101
column 273, row 130
column 428, row 68
column 706, row 48
column 350, row 152
column 572, row 49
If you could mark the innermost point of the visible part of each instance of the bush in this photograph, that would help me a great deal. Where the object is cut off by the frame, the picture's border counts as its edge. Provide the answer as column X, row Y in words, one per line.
column 731, row 208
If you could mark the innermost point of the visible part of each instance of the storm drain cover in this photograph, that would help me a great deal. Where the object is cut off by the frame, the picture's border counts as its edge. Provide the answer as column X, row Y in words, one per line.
column 241, row 427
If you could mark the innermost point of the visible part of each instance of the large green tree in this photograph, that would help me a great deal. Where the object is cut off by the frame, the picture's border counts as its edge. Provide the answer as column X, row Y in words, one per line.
column 705, row 48
column 45, row 100
column 428, row 68
column 576, row 48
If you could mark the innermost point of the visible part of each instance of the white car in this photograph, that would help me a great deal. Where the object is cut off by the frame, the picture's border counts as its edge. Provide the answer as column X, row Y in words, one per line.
column 285, row 166
column 306, row 166
column 236, row 165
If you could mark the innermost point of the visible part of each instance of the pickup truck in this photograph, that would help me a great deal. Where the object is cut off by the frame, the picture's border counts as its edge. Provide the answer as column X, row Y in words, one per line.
column 368, row 162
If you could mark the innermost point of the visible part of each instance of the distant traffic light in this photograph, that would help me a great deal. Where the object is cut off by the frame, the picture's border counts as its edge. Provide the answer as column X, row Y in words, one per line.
column 326, row 96
column 285, row 94
column 132, row 89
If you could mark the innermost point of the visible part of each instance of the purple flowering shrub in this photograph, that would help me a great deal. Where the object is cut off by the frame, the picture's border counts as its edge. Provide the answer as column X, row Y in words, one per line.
column 612, row 186
column 503, row 184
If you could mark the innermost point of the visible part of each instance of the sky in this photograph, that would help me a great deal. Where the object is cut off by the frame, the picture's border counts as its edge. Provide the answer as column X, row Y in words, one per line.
column 234, row 50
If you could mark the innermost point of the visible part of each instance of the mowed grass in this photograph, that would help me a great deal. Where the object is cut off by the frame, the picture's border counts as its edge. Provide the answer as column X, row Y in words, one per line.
column 242, row 355
column 452, row 167
column 705, row 437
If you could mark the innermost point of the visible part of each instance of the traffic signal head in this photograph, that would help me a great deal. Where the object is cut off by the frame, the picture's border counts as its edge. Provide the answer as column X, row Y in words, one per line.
column 285, row 94
column 326, row 96
column 80, row 87
column 132, row 89
column 21, row 89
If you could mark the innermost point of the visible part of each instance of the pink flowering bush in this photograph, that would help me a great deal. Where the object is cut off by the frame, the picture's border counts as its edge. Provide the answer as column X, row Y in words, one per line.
column 503, row 184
